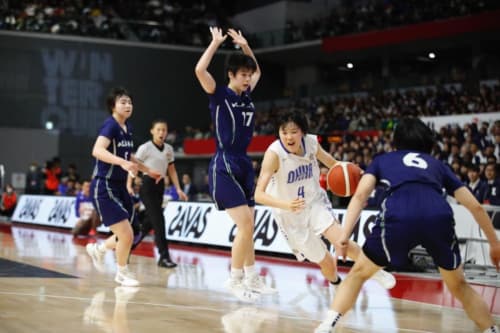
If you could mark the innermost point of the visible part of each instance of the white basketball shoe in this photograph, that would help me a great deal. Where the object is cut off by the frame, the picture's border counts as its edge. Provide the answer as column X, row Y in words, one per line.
column 238, row 289
column 385, row 279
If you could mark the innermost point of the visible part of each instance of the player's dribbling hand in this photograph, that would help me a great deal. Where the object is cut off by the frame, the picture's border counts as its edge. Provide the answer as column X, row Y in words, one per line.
column 217, row 35
column 297, row 205
column 341, row 247
column 131, row 167
column 237, row 37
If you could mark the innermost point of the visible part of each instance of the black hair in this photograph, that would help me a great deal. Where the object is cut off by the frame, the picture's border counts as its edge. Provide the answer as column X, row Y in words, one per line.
column 238, row 61
column 113, row 95
column 413, row 134
column 292, row 116
column 158, row 121
column 473, row 167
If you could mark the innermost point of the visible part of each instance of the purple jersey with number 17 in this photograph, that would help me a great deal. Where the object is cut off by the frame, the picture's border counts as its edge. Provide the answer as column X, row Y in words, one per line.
column 121, row 145
column 233, row 119
column 230, row 174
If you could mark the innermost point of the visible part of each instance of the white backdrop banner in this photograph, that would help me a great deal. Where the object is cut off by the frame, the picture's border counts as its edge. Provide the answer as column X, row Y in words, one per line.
column 202, row 223
column 48, row 210
column 437, row 122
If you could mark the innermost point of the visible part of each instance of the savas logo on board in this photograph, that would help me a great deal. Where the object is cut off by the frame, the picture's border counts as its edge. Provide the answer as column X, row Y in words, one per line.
column 30, row 209
column 59, row 214
column 265, row 228
column 189, row 220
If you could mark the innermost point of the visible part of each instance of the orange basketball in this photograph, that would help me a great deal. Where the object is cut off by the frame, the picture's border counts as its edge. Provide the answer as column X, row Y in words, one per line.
column 343, row 178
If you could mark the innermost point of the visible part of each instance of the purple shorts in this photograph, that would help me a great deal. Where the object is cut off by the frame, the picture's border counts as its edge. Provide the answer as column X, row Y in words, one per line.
column 231, row 180
column 112, row 201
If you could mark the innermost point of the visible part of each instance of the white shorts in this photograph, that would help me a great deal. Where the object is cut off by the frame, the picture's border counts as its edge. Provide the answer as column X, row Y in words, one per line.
column 303, row 230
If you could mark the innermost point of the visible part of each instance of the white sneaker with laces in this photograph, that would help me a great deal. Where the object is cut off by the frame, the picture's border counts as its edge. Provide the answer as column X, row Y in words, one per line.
column 385, row 279
column 324, row 327
column 255, row 282
column 238, row 289
column 126, row 279
column 96, row 256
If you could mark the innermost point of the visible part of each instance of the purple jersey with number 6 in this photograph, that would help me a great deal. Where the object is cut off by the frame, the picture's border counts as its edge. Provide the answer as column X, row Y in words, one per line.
column 414, row 210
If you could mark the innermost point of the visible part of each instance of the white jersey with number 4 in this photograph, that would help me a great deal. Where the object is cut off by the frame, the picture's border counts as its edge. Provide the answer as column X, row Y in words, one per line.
column 298, row 176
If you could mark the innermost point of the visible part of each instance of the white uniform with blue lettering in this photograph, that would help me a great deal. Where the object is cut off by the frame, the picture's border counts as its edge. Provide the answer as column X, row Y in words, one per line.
column 298, row 176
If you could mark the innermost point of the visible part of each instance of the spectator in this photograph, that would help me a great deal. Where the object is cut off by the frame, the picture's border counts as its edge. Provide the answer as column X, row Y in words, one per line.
column 88, row 219
column 170, row 193
column 476, row 185
column 204, row 193
column 9, row 201
column 51, row 183
column 34, row 180
column 188, row 187
column 72, row 173
column 493, row 193
column 62, row 188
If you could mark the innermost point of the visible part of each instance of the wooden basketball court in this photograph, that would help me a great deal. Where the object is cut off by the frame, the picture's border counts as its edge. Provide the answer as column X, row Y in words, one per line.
column 48, row 284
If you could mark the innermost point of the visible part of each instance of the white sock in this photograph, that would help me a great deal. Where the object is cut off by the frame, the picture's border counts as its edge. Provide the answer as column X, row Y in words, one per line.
column 332, row 317
column 122, row 269
column 236, row 273
column 249, row 270
column 492, row 329
column 101, row 248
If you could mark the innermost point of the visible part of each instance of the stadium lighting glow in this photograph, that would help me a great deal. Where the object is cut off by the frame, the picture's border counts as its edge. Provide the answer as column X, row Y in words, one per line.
column 432, row 55
column 350, row 65
column 49, row 125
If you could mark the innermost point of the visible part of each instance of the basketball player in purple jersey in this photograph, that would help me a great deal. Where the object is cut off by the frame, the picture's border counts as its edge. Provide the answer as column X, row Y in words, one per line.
column 414, row 212
column 114, row 162
column 231, row 176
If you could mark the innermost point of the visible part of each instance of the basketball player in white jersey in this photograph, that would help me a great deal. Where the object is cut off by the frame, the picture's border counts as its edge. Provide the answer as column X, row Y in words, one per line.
column 289, row 184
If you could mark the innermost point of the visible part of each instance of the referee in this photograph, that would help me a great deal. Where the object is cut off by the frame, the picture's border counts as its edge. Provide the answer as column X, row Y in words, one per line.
column 157, row 155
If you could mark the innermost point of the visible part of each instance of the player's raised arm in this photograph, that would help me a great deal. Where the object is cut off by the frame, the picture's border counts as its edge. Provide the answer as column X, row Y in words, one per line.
column 201, row 70
column 238, row 39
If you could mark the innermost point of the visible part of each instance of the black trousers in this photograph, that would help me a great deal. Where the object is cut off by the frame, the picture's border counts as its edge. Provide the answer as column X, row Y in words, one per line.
column 151, row 195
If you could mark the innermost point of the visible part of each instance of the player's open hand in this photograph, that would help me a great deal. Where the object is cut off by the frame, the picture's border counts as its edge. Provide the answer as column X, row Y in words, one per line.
column 182, row 195
column 237, row 37
column 217, row 35
column 155, row 175
column 297, row 205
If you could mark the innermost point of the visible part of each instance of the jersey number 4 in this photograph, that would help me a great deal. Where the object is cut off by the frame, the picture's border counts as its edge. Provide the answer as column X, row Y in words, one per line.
column 300, row 192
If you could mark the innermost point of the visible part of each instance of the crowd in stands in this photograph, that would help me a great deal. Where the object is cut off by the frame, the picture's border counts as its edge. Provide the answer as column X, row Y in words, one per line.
column 147, row 21
column 172, row 22
column 353, row 113
column 358, row 16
